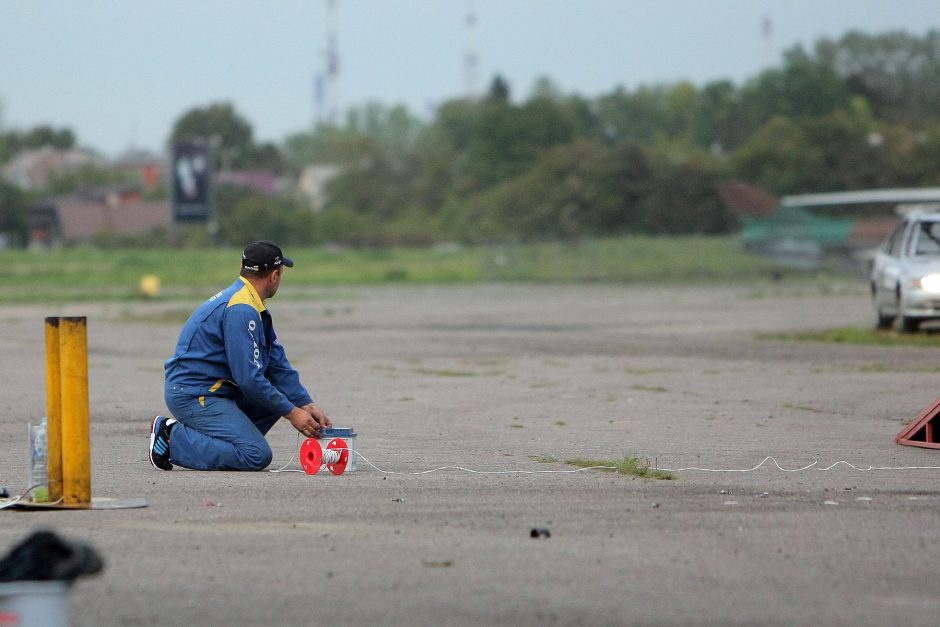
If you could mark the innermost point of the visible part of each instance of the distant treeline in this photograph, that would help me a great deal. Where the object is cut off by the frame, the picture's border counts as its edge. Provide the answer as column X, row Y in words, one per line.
column 861, row 111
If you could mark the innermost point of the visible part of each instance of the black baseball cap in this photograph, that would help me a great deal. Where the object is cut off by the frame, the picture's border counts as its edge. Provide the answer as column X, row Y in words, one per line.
column 264, row 255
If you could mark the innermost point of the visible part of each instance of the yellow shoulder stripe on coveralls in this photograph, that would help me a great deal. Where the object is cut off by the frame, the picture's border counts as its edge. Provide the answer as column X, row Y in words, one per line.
column 247, row 296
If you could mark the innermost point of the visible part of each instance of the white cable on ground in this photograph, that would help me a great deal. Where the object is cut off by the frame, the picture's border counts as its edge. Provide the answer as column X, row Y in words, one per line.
column 815, row 464
column 485, row 472
column 11, row 502
column 767, row 459
column 18, row 499
column 285, row 468
column 806, row 467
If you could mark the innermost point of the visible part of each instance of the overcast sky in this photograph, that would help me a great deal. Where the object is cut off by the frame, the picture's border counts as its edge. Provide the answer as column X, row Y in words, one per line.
column 120, row 72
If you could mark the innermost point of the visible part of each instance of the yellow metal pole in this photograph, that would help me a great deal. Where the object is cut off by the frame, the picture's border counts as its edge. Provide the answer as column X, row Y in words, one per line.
column 76, row 441
column 53, row 409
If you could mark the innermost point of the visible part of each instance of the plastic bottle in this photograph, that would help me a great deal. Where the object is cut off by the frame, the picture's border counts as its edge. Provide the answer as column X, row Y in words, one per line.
column 39, row 462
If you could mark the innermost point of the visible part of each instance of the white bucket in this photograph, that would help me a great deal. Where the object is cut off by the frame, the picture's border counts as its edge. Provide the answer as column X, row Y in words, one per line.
column 348, row 435
column 29, row 603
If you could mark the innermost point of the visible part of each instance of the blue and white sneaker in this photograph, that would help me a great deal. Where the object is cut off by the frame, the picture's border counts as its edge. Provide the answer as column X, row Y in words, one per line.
column 160, row 442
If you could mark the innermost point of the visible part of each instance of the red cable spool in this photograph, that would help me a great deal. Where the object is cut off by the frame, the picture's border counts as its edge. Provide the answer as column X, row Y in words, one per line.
column 311, row 456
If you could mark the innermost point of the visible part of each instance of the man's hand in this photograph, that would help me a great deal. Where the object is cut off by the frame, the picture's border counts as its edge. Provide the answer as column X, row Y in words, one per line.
column 318, row 414
column 304, row 422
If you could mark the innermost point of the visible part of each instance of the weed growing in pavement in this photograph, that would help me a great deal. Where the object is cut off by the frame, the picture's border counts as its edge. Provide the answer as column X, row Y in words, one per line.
column 631, row 466
column 650, row 388
column 803, row 408
column 444, row 373
column 544, row 459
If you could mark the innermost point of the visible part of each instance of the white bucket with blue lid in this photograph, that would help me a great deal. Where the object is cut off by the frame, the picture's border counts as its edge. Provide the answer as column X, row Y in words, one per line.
column 348, row 435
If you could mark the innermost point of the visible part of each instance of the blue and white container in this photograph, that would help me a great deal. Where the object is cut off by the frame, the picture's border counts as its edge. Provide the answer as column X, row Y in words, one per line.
column 43, row 603
column 38, row 479
column 348, row 434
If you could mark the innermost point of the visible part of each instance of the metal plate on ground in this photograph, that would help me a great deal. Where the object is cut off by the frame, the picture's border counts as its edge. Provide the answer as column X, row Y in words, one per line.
column 97, row 502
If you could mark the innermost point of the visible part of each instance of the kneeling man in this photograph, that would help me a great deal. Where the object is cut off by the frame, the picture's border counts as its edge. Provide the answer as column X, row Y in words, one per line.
column 229, row 380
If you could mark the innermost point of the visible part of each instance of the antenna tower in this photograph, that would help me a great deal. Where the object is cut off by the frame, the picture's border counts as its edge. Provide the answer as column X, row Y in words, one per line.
column 767, row 36
column 332, row 66
column 470, row 58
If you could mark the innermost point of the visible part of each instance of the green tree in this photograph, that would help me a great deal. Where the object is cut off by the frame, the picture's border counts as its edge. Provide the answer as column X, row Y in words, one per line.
column 393, row 129
column 14, row 215
column 507, row 139
column 781, row 158
column 44, row 135
column 41, row 136
column 380, row 186
column 716, row 123
column 85, row 176
column 897, row 72
column 683, row 199
column 850, row 160
column 245, row 216
column 913, row 155
column 801, row 89
column 581, row 188
column 328, row 144
column 499, row 90
column 230, row 135
column 634, row 117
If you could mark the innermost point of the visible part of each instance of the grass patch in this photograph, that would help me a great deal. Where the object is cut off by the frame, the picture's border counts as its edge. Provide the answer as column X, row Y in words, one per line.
column 632, row 466
column 543, row 460
column 493, row 361
column 650, row 388
column 855, row 335
column 444, row 373
column 645, row 371
column 624, row 259
column 803, row 408
column 87, row 273
column 627, row 466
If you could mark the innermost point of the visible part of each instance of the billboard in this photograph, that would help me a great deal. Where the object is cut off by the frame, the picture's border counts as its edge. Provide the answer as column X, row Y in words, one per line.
column 192, row 173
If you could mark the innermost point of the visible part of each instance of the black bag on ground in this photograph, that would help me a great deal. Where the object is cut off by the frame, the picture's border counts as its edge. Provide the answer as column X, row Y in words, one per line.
column 44, row 556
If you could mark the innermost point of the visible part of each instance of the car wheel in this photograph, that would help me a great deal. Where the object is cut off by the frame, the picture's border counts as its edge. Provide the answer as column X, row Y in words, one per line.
column 902, row 323
column 906, row 324
column 883, row 321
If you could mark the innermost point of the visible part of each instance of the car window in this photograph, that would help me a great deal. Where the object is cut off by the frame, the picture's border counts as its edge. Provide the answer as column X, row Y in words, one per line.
column 909, row 236
column 890, row 241
column 927, row 239
column 894, row 242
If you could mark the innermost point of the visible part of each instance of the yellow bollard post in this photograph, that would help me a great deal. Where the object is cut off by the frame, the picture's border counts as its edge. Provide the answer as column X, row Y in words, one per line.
column 53, row 409
column 76, row 441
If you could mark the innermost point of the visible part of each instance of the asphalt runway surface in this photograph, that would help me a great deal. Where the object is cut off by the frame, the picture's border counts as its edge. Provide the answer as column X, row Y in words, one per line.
column 508, row 378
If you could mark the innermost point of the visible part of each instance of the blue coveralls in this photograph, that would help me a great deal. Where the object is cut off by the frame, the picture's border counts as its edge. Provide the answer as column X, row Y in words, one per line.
column 228, row 383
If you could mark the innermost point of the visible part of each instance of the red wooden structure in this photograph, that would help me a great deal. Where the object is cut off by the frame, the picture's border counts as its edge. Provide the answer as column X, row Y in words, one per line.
column 924, row 430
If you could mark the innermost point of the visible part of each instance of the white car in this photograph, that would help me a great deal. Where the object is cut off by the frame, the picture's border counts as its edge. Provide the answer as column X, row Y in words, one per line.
column 905, row 276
